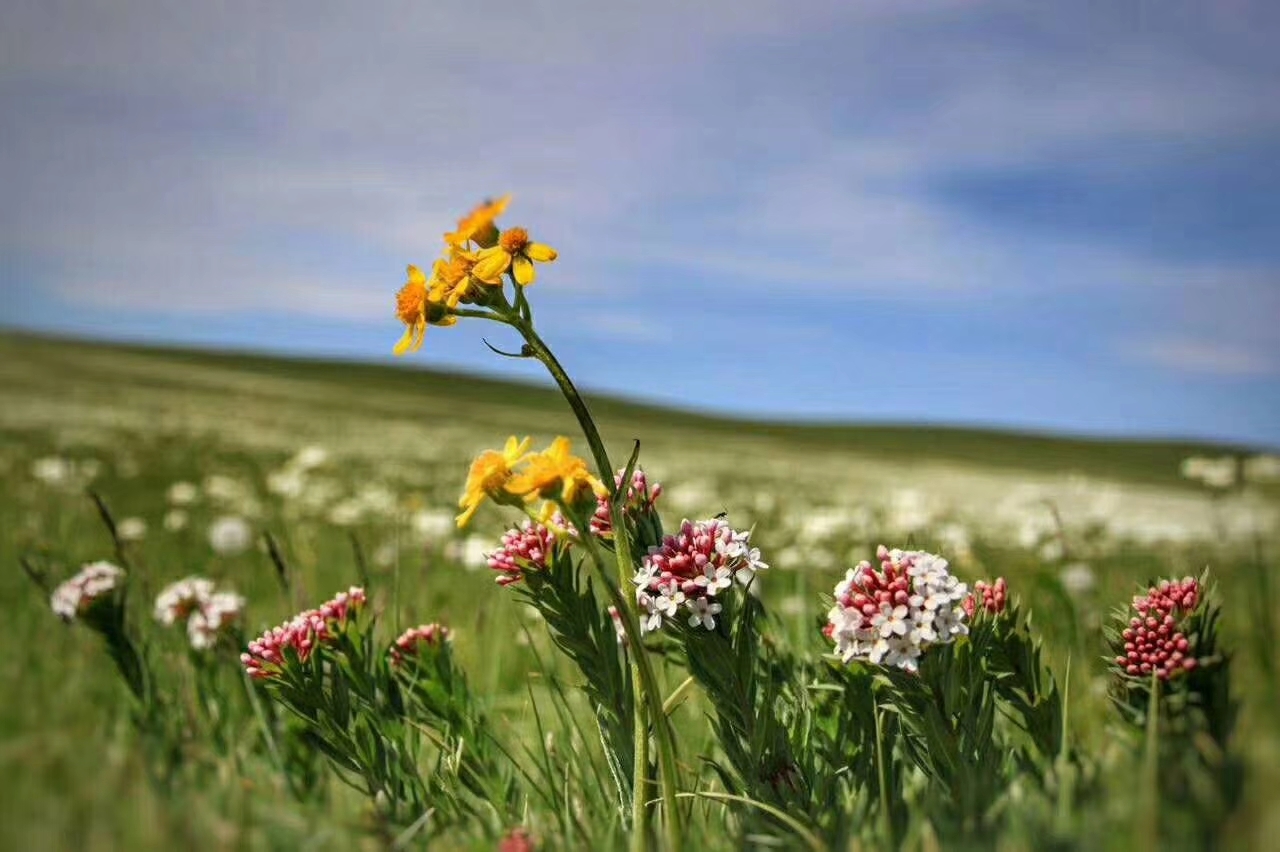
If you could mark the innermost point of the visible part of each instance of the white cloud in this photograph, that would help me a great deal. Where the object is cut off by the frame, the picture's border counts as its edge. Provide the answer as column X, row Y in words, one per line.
column 1207, row 357
column 242, row 156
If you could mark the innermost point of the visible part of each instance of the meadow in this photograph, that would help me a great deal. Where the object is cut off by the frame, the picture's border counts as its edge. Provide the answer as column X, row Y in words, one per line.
column 354, row 471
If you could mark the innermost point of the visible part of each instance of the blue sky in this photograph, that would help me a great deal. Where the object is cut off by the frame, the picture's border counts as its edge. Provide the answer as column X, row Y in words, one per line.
column 1060, row 216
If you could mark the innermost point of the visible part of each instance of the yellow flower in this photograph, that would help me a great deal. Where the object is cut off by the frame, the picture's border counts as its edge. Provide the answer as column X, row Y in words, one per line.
column 554, row 470
column 453, row 279
column 477, row 226
column 489, row 473
column 515, row 251
column 417, row 304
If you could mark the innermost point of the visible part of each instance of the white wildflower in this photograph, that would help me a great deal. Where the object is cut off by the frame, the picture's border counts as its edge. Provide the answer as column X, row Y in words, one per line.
column 182, row 494
column 229, row 535
column 94, row 582
column 132, row 529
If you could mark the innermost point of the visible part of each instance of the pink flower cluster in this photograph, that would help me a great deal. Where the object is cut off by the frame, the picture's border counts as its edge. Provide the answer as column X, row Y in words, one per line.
column 690, row 568
column 891, row 615
column 642, row 495
column 524, row 548
column 1153, row 642
column 991, row 597
column 301, row 635
column 410, row 640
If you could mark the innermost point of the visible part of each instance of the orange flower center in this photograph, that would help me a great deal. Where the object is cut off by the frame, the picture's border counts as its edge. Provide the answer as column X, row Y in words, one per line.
column 514, row 240
column 456, row 270
column 411, row 302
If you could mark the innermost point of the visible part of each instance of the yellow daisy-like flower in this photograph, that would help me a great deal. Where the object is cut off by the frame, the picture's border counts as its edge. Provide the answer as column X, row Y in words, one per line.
column 489, row 473
column 417, row 306
column 514, row 251
column 555, row 471
column 477, row 226
column 411, row 309
column 454, row 279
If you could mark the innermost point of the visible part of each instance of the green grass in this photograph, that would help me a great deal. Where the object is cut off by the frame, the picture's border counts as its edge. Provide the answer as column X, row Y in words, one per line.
column 150, row 417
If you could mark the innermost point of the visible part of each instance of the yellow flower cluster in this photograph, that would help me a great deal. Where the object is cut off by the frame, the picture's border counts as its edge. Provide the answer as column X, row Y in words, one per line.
column 515, row 476
column 476, row 257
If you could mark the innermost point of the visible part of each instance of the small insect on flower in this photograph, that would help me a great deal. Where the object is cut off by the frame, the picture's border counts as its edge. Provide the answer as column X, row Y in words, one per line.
column 96, row 582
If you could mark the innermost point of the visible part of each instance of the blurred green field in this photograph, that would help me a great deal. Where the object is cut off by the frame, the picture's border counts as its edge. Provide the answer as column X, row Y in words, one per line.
column 1072, row 524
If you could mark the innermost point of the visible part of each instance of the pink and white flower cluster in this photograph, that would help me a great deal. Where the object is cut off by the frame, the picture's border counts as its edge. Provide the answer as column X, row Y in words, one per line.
column 411, row 640
column 209, row 613
column 891, row 615
column 689, row 569
column 301, row 635
column 94, row 582
column 1153, row 642
column 642, row 495
column 524, row 548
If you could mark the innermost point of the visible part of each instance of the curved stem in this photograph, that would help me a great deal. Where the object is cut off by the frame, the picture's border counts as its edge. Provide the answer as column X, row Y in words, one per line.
column 543, row 353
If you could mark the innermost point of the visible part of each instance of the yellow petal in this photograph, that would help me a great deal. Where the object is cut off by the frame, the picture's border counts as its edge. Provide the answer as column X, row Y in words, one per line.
column 416, row 276
column 540, row 252
column 405, row 342
column 523, row 268
column 490, row 264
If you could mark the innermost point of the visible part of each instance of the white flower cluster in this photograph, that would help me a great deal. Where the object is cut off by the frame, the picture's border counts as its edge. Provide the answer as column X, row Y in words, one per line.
column 208, row 613
column 95, row 581
column 891, row 615
column 1219, row 473
column 689, row 568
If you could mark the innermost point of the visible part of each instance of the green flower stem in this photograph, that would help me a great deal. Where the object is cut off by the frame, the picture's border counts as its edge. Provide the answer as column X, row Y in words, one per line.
column 543, row 353
column 646, row 681
column 642, row 672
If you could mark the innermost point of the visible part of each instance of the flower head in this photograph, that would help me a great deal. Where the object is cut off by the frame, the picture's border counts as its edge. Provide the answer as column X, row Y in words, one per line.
column 214, row 619
column 477, row 226
column 1154, row 641
column 95, row 582
column 891, row 615
column 514, row 251
column 690, row 568
column 299, row 637
column 177, row 601
column 554, row 472
column 489, row 475
column 528, row 547
column 417, row 305
column 453, row 280
column 642, row 496
column 989, row 597
column 412, row 640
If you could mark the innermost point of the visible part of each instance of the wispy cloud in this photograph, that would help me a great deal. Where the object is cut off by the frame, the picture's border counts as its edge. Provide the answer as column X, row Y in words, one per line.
column 1209, row 357
column 941, row 156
